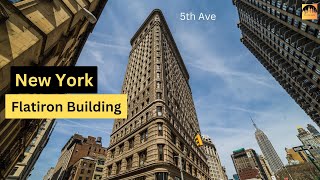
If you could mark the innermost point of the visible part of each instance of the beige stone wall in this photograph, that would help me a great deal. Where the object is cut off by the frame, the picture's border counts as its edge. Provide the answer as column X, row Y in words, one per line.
column 42, row 33
column 215, row 168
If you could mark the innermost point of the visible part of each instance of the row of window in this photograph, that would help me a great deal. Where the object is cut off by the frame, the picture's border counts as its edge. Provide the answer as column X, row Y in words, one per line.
column 313, row 68
column 135, row 124
column 299, row 96
column 142, row 160
column 139, row 68
column 147, row 28
column 179, row 100
column 291, row 88
column 190, row 155
column 294, row 9
column 143, row 138
column 276, row 40
column 288, row 19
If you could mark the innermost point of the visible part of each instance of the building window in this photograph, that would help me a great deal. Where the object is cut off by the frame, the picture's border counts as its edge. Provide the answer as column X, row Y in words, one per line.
column 162, row 176
column 80, row 178
column 121, row 146
column 129, row 163
column 159, row 95
column 14, row 170
column 173, row 138
column 99, row 169
column 144, row 136
column 140, row 178
column 175, row 158
column 82, row 171
column 158, row 84
column 160, row 152
column 109, row 170
column 160, row 129
column 183, row 164
column 159, row 111
column 89, row 171
column 131, row 143
column 181, row 146
column 142, row 157
column 118, row 167
column 158, row 74
column 190, row 168
column 112, row 153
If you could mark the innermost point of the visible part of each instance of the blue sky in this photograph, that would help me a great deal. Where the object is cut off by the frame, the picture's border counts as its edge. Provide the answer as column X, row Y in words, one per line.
column 227, row 82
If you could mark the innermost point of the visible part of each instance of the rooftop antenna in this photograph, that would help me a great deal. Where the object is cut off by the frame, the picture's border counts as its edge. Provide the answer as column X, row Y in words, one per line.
column 254, row 124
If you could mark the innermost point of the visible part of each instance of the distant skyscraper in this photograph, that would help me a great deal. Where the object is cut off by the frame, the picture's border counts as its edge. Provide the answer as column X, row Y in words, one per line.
column 216, row 170
column 308, row 139
column 247, row 164
column 267, row 150
column 286, row 45
column 313, row 130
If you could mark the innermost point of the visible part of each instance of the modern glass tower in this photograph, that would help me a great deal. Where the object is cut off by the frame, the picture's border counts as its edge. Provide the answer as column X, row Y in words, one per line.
column 162, row 121
column 268, row 151
column 287, row 46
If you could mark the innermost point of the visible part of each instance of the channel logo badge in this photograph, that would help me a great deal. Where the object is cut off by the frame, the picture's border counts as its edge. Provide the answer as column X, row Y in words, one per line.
column 309, row 11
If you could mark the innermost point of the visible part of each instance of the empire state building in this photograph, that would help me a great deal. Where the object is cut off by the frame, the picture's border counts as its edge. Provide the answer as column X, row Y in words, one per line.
column 268, row 150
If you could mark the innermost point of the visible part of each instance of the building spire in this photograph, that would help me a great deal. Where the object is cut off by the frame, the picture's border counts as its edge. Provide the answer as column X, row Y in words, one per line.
column 254, row 124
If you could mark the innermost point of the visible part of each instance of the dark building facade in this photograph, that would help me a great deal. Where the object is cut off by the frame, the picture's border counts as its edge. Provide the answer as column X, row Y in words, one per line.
column 27, row 160
column 37, row 33
column 162, row 121
column 247, row 164
column 287, row 46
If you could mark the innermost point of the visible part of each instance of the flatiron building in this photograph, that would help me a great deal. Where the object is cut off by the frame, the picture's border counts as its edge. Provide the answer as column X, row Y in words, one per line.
column 287, row 46
column 162, row 121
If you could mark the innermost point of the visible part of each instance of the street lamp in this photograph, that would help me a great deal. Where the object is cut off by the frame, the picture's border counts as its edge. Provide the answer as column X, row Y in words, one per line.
column 91, row 18
column 181, row 168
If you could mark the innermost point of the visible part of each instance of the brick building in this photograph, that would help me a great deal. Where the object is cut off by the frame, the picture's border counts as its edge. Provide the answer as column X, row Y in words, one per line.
column 76, row 148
